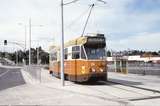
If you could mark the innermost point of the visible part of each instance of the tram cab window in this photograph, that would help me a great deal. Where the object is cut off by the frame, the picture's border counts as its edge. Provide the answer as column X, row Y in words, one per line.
column 75, row 52
column 95, row 53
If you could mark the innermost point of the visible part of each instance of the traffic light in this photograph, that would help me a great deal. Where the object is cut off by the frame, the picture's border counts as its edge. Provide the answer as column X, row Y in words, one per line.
column 5, row 42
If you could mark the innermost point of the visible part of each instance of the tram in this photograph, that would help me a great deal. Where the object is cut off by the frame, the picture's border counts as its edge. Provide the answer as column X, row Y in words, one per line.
column 84, row 59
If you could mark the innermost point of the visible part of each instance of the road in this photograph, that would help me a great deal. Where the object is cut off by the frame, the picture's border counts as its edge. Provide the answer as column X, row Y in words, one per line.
column 21, row 88
column 10, row 77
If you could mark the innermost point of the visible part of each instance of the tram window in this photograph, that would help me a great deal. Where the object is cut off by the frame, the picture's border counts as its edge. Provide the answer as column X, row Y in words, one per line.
column 75, row 48
column 93, row 51
column 54, row 56
column 75, row 52
column 65, row 53
column 65, row 56
column 75, row 55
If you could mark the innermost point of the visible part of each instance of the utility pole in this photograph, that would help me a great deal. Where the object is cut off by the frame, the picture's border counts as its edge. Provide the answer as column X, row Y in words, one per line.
column 30, row 41
column 62, row 40
column 62, row 45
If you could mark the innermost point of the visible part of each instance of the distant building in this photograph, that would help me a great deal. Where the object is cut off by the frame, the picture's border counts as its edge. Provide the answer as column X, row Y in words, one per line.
column 137, row 58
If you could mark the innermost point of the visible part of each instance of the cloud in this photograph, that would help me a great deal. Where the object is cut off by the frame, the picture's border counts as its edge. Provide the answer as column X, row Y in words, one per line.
column 140, row 41
column 119, row 20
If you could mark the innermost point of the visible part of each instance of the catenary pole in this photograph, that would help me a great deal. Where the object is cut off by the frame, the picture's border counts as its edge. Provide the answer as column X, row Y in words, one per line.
column 62, row 45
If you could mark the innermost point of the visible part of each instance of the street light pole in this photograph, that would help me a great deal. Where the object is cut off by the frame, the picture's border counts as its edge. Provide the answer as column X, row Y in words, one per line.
column 62, row 40
column 62, row 45
column 25, row 39
column 25, row 34
column 30, row 41
column 37, row 55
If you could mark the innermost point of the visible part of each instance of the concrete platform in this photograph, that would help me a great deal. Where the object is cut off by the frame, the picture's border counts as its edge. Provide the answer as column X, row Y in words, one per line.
column 143, row 81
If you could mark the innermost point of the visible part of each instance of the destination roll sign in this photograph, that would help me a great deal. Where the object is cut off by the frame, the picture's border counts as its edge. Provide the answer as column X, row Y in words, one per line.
column 96, row 42
column 96, row 39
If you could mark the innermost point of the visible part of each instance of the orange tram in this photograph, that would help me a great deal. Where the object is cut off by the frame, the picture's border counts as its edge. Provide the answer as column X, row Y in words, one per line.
column 84, row 59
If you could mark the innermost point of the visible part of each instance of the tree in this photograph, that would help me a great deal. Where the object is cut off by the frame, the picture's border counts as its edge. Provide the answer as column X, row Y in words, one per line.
column 108, row 53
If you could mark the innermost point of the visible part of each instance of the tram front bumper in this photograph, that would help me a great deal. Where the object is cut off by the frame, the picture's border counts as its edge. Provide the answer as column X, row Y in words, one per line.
column 92, row 76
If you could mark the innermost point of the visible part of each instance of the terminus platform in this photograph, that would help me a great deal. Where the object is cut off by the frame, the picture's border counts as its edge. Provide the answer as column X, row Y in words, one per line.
column 84, row 59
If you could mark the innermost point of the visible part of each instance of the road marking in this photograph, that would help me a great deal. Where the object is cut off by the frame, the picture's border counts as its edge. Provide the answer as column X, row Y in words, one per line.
column 4, row 73
column 10, row 67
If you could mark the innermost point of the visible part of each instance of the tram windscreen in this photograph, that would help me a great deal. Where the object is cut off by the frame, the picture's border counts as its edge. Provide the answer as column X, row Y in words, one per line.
column 95, row 47
column 95, row 53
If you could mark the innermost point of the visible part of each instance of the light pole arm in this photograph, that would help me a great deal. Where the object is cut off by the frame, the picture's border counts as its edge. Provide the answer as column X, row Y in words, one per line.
column 18, row 44
column 70, row 2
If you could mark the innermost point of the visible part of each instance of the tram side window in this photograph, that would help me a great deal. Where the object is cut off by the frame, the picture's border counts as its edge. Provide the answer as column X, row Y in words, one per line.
column 75, row 52
column 54, row 56
column 65, row 53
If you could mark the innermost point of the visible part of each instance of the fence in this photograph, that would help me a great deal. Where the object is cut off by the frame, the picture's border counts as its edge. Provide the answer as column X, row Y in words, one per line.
column 140, row 68
column 34, row 71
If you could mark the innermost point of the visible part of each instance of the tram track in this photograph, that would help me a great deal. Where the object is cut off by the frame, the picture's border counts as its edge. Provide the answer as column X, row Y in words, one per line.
column 108, row 95
column 141, row 93
column 122, row 102
column 142, row 88
column 112, row 91
column 101, row 95
column 124, row 89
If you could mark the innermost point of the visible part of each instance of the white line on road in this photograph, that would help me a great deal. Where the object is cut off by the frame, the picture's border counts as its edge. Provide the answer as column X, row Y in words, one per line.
column 10, row 67
column 4, row 73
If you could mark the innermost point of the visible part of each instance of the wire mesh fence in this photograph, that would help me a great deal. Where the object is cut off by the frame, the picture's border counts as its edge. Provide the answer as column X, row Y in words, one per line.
column 143, row 68
column 34, row 71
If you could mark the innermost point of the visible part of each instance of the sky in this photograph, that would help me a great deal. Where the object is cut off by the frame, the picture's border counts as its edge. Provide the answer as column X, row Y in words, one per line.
column 127, row 24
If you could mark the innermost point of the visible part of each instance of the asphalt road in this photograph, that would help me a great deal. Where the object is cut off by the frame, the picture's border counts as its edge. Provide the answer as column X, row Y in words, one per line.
column 10, row 77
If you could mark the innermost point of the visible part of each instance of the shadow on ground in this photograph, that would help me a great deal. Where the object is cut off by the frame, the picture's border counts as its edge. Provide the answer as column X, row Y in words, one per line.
column 110, row 81
column 125, row 81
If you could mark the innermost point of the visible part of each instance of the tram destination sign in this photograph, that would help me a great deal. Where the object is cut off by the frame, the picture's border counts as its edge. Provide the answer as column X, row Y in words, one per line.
column 96, row 39
column 96, row 42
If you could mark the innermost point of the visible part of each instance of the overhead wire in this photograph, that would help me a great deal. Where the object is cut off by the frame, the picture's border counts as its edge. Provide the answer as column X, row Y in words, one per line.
column 77, row 19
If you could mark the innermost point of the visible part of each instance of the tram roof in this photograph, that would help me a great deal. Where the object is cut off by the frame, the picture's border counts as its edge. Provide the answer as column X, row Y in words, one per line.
column 78, row 41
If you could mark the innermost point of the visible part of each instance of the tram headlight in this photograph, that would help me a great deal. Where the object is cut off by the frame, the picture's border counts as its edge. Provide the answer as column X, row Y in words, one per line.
column 101, row 70
column 93, row 70
column 83, row 70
